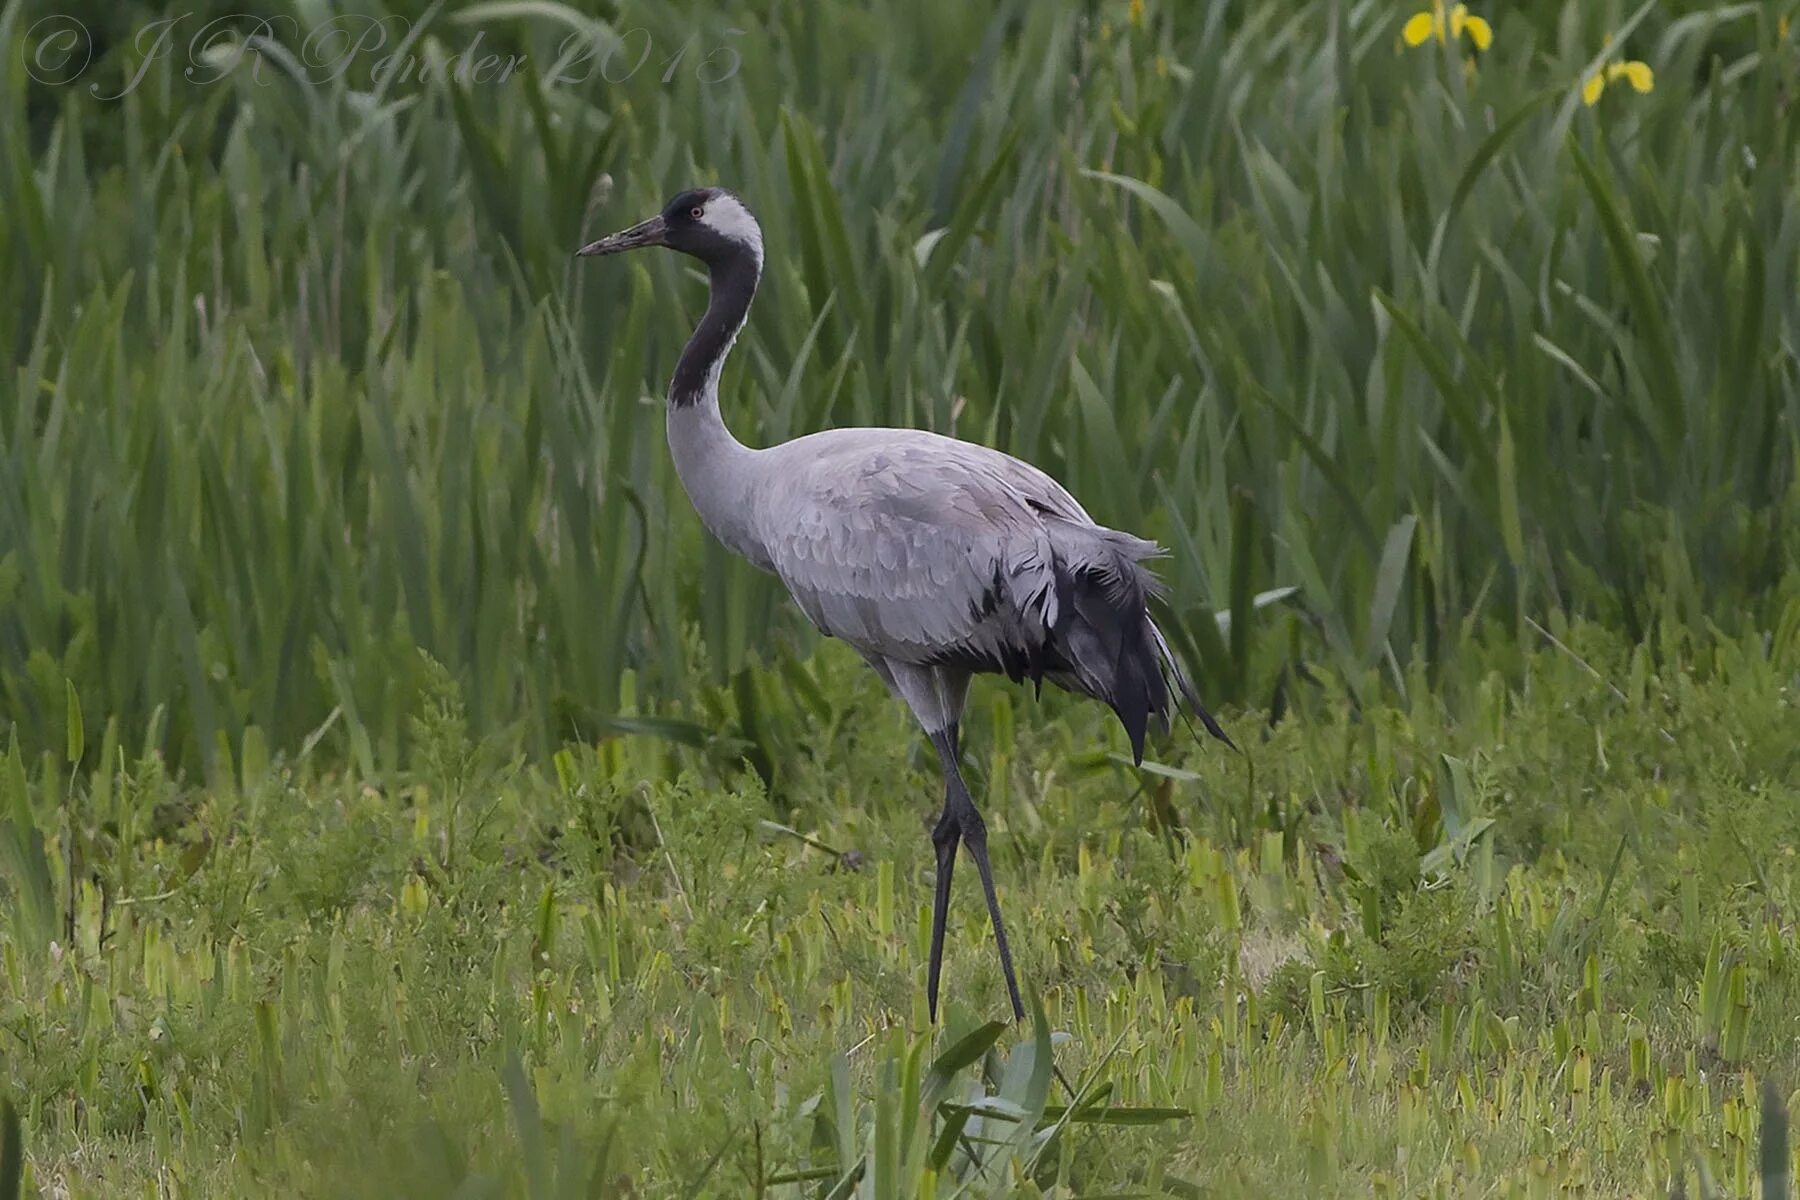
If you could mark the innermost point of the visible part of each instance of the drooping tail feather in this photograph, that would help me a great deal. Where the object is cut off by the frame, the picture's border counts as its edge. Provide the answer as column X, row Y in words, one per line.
column 1112, row 659
column 1109, row 647
column 1172, row 665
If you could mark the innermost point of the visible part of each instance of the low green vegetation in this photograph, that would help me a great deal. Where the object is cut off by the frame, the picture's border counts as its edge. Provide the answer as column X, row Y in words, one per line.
column 401, row 796
column 1545, row 947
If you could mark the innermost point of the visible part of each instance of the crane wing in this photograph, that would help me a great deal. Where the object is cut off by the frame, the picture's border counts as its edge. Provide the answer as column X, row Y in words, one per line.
column 919, row 549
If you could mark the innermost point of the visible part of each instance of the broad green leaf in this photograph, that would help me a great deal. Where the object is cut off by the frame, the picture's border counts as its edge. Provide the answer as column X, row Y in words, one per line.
column 1390, row 575
column 75, row 741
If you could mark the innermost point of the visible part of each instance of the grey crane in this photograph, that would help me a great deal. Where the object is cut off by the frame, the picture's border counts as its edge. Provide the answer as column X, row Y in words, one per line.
column 937, row 559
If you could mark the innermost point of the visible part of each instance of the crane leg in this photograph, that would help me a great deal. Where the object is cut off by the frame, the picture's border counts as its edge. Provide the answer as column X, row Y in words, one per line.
column 961, row 820
column 974, row 832
column 945, row 837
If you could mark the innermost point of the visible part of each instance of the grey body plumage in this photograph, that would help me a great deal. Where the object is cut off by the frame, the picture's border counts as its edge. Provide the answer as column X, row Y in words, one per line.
column 937, row 559
column 921, row 549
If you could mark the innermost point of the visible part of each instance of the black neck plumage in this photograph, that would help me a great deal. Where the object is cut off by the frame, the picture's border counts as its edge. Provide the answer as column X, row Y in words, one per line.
column 734, row 279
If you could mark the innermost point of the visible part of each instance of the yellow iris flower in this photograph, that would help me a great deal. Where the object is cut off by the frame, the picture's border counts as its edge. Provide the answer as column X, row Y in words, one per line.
column 1637, row 74
column 1445, row 23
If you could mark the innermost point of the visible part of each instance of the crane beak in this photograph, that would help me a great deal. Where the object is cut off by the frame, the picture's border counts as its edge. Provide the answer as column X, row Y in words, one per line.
column 645, row 233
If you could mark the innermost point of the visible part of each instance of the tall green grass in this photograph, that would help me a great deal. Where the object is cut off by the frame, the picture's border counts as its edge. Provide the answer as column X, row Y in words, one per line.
column 304, row 379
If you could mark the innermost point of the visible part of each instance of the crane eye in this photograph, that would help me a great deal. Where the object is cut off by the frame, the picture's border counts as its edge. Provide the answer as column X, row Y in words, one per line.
column 696, row 212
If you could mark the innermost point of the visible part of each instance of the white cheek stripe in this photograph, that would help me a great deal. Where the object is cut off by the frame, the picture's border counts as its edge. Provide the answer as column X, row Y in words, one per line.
column 725, row 216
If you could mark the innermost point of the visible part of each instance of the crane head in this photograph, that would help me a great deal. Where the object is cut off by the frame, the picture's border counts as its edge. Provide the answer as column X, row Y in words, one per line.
column 710, row 224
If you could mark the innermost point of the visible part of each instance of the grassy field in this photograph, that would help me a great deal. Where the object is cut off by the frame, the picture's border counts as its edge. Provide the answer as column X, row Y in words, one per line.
column 403, row 797
column 1545, row 948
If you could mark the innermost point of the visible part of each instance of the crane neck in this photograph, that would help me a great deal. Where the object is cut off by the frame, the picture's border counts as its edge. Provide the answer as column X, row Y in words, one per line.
column 716, row 470
column 733, row 279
